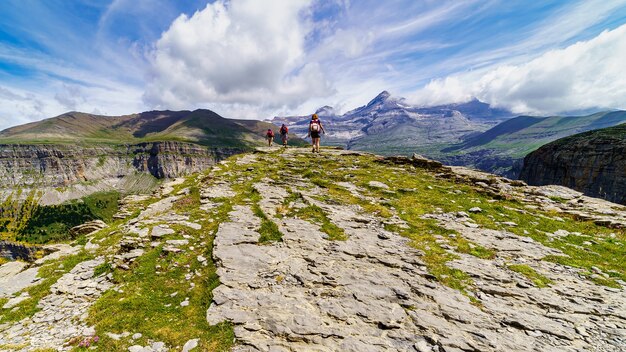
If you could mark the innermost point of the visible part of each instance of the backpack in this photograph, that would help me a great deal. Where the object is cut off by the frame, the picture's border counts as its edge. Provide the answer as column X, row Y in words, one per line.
column 314, row 126
column 270, row 133
column 284, row 130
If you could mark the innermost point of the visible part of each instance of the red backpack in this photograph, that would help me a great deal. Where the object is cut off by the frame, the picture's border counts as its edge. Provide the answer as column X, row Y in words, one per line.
column 284, row 130
column 270, row 133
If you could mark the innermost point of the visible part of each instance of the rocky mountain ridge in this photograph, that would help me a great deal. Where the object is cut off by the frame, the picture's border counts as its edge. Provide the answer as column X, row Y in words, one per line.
column 281, row 250
column 593, row 163
column 76, row 154
column 393, row 125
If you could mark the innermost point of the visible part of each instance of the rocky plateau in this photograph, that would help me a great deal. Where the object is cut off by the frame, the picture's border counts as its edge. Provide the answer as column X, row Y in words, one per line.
column 284, row 250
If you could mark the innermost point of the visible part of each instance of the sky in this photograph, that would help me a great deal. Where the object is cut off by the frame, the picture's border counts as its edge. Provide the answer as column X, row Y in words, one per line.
column 259, row 59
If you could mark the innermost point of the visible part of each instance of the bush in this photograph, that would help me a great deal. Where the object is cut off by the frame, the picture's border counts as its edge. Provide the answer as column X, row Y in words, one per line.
column 52, row 223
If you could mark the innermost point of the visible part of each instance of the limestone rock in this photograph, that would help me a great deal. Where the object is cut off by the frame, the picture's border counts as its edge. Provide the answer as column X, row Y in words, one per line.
column 593, row 162
column 87, row 228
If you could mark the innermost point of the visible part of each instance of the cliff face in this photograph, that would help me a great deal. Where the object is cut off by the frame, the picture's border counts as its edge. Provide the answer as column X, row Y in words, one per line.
column 593, row 163
column 63, row 165
column 62, row 172
column 173, row 159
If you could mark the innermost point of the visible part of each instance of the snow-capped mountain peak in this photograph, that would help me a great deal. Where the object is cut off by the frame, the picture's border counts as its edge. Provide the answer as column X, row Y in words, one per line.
column 326, row 111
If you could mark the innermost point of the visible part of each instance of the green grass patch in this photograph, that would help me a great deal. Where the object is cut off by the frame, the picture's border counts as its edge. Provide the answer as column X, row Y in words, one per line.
column 530, row 273
column 465, row 246
column 146, row 304
column 268, row 230
column 317, row 216
column 190, row 201
column 51, row 223
column 102, row 269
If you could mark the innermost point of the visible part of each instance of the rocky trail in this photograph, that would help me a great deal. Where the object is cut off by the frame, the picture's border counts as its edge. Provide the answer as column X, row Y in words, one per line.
column 284, row 250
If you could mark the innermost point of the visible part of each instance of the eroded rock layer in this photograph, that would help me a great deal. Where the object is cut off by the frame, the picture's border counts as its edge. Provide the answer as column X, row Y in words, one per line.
column 61, row 165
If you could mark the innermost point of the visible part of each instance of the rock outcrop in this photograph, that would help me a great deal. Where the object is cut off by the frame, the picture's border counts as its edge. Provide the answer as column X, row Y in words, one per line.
column 15, row 251
column 373, row 292
column 593, row 163
column 87, row 228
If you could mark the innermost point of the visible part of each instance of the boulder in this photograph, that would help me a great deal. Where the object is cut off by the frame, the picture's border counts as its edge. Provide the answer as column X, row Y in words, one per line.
column 87, row 228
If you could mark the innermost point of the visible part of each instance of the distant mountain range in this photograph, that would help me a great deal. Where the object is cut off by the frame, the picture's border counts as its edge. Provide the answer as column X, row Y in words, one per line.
column 203, row 127
column 389, row 125
column 468, row 134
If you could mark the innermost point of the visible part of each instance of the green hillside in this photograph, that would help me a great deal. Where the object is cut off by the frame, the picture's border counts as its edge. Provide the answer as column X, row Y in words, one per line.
column 201, row 126
column 523, row 134
column 502, row 148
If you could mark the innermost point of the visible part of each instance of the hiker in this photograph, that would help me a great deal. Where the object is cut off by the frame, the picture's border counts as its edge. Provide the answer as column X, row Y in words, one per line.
column 284, row 130
column 270, row 136
column 315, row 128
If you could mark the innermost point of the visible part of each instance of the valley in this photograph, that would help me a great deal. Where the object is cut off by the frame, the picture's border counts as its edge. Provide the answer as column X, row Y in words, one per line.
column 76, row 154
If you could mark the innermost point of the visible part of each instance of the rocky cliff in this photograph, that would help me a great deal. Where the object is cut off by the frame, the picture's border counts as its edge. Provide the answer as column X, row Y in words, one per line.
column 593, row 163
column 97, row 167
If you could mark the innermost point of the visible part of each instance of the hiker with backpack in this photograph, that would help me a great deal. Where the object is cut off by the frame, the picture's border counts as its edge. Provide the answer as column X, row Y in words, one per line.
column 270, row 137
column 315, row 130
column 284, row 130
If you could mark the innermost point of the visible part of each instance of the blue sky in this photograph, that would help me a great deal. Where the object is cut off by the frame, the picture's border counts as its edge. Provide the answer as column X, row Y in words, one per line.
column 257, row 59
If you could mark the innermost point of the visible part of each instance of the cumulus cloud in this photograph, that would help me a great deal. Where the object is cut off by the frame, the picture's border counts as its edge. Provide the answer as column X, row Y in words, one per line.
column 244, row 52
column 585, row 75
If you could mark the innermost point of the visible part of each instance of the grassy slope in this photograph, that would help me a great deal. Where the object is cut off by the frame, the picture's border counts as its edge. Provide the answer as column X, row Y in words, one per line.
column 202, row 127
column 607, row 135
column 522, row 135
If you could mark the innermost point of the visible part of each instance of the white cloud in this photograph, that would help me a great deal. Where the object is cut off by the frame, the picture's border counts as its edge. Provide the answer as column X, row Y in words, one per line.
column 18, row 106
column 70, row 96
column 240, row 52
column 584, row 75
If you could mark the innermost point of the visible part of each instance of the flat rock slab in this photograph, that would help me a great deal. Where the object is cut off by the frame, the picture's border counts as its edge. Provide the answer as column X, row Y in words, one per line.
column 372, row 292
column 13, row 279
column 61, row 312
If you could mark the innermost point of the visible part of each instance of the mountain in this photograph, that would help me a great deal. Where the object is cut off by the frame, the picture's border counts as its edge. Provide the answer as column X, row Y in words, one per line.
column 285, row 250
column 390, row 125
column 593, row 162
column 76, row 154
column 501, row 149
column 203, row 127
column 469, row 134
